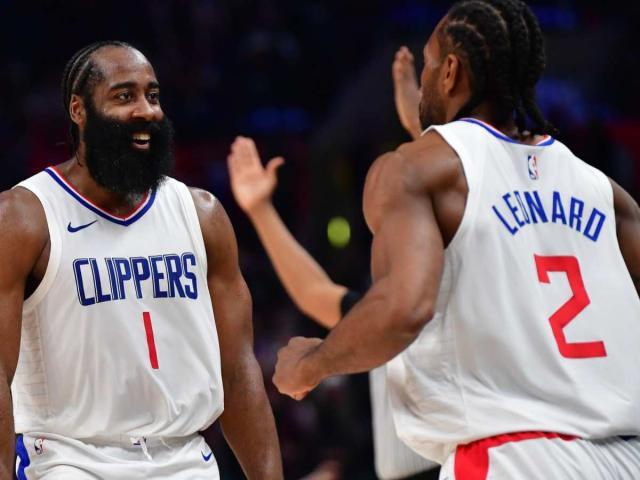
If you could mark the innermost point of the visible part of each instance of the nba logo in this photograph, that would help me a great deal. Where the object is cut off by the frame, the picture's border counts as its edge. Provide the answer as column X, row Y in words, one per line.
column 532, row 161
column 38, row 446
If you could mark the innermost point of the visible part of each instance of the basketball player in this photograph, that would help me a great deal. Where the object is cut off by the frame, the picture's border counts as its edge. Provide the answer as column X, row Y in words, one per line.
column 123, row 312
column 503, row 276
column 309, row 285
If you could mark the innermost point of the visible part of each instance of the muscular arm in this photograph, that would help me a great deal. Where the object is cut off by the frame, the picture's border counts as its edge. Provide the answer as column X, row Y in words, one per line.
column 247, row 421
column 407, row 262
column 23, row 235
column 628, row 230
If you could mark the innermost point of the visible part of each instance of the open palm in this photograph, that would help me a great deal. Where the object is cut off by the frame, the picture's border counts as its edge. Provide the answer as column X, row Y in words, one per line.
column 406, row 91
column 251, row 183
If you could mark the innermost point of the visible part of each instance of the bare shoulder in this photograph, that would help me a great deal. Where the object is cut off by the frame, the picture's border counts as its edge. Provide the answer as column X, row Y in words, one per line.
column 22, row 214
column 427, row 162
column 204, row 201
column 420, row 168
column 210, row 211
column 432, row 160
column 217, row 231
column 626, row 208
column 24, row 233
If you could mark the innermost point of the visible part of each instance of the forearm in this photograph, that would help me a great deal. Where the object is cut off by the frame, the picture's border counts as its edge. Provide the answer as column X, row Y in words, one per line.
column 7, row 433
column 248, row 423
column 371, row 334
column 304, row 280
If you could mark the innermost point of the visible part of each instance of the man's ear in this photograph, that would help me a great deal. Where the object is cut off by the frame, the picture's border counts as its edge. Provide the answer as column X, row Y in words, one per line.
column 77, row 110
column 452, row 69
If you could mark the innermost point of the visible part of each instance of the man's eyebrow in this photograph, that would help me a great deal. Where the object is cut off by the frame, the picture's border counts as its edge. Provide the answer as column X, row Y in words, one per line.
column 131, row 84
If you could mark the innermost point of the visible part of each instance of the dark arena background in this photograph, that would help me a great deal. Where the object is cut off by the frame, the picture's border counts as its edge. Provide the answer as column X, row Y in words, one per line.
column 310, row 80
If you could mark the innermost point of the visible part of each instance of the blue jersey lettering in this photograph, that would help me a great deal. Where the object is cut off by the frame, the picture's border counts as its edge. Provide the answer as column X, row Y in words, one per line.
column 558, row 209
column 531, row 210
column 593, row 232
column 161, row 276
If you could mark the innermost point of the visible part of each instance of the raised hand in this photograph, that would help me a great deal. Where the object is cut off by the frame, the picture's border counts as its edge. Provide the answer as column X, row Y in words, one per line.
column 251, row 183
column 406, row 91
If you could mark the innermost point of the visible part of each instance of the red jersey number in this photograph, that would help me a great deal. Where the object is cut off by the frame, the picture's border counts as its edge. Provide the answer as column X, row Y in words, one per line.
column 151, row 342
column 572, row 307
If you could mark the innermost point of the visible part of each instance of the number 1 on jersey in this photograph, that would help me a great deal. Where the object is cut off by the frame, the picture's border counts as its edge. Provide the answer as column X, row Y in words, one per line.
column 151, row 343
column 572, row 307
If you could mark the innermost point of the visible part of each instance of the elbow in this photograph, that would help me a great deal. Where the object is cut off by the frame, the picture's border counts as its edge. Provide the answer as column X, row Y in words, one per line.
column 321, row 302
column 307, row 302
column 322, row 314
column 303, row 298
column 410, row 320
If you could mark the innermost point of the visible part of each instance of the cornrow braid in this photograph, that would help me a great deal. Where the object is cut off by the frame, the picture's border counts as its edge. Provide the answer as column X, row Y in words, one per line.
column 507, row 67
column 538, row 62
column 477, row 55
column 79, row 76
column 511, row 12
column 492, row 62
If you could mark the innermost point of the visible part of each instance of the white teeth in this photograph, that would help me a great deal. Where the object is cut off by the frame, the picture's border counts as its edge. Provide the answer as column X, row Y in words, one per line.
column 144, row 137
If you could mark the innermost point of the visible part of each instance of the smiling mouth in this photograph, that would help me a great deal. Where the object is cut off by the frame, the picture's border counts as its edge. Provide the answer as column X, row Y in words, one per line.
column 141, row 140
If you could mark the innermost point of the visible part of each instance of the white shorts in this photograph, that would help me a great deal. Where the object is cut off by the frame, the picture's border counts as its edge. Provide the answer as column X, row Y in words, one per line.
column 544, row 456
column 54, row 457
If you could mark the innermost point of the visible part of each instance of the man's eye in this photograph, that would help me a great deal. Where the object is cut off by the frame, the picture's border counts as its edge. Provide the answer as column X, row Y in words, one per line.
column 124, row 96
column 153, row 96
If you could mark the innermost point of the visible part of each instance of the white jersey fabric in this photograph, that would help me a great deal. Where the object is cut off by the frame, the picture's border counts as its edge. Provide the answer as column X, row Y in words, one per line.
column 539, row 456
column 537, row 322
column 46, row 456
column 393, row 459
column 119, row 338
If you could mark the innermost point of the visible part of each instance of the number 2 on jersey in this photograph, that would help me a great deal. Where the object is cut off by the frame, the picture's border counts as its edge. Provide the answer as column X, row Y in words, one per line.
column 572, row 307
column 151, row 343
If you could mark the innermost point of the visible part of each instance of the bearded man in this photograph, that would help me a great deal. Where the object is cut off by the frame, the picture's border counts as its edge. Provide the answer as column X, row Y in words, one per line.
column 115, row 353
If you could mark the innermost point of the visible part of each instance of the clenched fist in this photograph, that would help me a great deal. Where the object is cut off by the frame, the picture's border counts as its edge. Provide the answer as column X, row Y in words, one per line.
column 292, row 376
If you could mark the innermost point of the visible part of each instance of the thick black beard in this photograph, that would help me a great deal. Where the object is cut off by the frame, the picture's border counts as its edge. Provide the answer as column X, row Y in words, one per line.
column 431, row 112
column 115, row 164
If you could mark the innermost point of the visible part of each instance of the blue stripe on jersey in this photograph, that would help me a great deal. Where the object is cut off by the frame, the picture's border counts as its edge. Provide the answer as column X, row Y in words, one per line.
column 500, row 136
column 97, row 211
column 23, row 456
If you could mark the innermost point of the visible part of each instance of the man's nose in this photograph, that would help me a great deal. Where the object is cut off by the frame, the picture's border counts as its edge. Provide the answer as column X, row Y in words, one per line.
column 145, row 111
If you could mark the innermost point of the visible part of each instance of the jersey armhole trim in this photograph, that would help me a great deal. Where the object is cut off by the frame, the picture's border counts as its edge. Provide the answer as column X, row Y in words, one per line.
column 473, row 176
column 55, row 253
column 606, row 189
column 193, row 224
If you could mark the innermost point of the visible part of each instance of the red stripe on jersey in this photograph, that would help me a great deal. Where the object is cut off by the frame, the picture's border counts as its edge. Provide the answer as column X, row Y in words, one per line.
column 472, row 459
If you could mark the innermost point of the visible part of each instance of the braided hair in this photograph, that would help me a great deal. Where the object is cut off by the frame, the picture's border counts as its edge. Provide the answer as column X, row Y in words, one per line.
column 79, row 77
column 502, row 42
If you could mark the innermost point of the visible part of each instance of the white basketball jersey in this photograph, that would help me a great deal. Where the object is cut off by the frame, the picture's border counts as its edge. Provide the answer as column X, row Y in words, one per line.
column 537, row 322
column 119, row 338
column 393, row 459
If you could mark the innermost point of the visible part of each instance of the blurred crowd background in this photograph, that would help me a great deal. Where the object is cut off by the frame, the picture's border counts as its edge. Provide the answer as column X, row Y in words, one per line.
column 310, row 80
